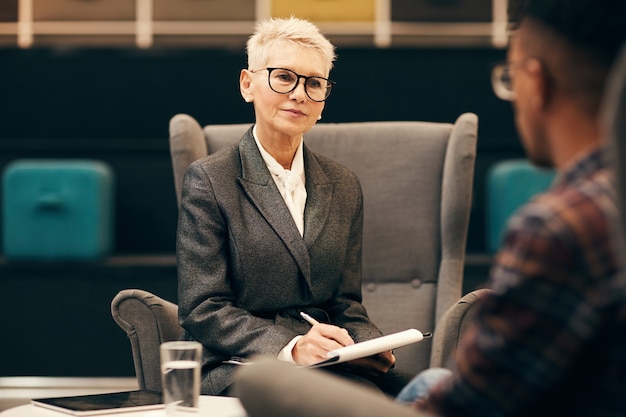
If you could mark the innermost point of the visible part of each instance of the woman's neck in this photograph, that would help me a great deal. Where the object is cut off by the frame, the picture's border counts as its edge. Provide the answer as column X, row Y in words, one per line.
column 282, row 148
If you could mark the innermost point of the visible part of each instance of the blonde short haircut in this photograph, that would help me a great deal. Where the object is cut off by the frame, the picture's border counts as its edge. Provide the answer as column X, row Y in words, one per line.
column 292, row 30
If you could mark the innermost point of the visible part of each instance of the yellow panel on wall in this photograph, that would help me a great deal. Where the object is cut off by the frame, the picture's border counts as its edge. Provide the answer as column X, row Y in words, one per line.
column 326, row 10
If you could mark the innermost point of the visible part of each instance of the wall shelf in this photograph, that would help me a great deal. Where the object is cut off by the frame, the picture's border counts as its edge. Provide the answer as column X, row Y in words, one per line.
column 143, row 22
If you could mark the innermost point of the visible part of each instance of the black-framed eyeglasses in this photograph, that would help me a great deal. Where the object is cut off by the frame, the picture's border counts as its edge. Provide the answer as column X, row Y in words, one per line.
column 284, row 81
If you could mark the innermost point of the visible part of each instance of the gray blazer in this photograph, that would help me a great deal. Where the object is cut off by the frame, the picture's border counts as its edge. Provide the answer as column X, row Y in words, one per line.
column 244, row 271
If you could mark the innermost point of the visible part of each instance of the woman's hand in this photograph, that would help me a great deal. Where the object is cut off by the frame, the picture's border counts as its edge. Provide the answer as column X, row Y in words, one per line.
column 375, row 364
column 322, row 338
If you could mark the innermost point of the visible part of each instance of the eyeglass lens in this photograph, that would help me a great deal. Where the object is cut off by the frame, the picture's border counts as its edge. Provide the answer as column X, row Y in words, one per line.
column 502, row 82
column 284, row 81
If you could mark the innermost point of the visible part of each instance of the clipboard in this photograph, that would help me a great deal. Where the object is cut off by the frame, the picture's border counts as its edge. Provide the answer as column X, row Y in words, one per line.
column 372, row 347
column 359, row 350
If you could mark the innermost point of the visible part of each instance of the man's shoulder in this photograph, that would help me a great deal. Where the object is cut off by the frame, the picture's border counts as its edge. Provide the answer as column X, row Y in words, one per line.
column 576, row 218
column 585, row 206
column 586, row 195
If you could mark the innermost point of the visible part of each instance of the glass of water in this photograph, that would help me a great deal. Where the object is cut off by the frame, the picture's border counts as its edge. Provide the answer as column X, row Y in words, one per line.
column 180, row 377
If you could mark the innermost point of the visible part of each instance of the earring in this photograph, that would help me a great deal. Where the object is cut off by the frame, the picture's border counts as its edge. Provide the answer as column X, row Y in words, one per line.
column 319, row 117
column 248, row 100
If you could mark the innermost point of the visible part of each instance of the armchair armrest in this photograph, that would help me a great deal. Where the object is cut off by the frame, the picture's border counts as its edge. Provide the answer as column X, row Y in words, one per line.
column 271, row 388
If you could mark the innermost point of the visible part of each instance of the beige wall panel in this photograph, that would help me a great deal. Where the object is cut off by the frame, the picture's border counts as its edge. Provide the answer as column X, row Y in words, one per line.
column 326, row 10
column 77, row 10
column 204, row 9
column 85, row 40
column 8, row 41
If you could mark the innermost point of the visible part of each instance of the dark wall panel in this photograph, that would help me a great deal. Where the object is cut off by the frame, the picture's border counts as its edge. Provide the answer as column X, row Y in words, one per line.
column 441, row 10
column 115, row 105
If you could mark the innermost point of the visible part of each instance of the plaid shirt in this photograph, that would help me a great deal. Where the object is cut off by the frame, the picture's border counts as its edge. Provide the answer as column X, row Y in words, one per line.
column 551, row 338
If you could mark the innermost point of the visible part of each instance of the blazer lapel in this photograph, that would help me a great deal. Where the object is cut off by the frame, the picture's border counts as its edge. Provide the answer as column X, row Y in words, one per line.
column 319, row 195
column 258, row 184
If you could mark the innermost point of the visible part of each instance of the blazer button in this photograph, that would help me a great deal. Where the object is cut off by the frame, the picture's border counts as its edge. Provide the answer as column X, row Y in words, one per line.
column 416, row 283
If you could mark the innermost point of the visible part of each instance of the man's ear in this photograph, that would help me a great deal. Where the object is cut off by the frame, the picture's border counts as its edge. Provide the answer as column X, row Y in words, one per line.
column 540, row 83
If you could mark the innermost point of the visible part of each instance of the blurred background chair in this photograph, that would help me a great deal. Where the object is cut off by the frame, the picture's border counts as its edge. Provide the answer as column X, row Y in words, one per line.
column 510, row 184
column 148, row 321
column 417, row 184
column 57, row 209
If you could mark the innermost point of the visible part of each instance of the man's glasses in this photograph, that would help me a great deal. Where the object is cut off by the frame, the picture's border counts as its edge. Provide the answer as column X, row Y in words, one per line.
column 502, row 76
column 502, row 81
column 284, row 81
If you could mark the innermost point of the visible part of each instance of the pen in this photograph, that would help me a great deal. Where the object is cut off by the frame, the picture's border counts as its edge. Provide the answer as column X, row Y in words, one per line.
column 309, row 319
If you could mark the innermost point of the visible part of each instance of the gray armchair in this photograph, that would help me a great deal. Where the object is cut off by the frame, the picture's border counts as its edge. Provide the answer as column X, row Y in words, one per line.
column 417, row 185
column 417, row 181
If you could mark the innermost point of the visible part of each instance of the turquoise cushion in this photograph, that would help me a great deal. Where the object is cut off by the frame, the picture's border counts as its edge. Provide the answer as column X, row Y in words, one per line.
column 57, row 209
column 510, row 184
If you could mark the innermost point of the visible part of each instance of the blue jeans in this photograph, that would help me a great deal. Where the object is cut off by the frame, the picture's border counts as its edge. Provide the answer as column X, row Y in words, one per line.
column 421, row 384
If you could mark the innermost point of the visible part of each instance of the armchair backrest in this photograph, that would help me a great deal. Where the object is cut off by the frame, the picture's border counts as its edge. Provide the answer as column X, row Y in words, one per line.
column 417, row 184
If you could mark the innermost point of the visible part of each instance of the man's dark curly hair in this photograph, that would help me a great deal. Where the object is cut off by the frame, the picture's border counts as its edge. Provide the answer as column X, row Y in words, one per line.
column 597, row 27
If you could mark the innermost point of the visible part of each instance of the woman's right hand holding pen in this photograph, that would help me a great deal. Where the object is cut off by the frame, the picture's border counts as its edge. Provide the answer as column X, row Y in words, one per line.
column 322, row 338
column 314, row 346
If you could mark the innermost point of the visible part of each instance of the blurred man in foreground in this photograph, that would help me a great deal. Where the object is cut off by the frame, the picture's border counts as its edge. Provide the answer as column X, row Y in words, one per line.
column 551, row 337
